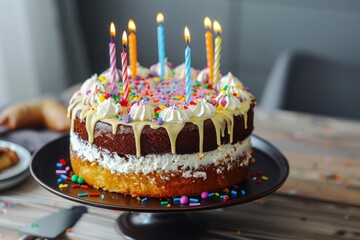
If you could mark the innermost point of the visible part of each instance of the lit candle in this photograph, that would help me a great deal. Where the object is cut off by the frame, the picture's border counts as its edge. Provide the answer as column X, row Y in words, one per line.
column 187, row 65
column 217, row 29
column 132, row 47
column 161, row 43
column 124, row 63
column 209, row 49
column 112, row 53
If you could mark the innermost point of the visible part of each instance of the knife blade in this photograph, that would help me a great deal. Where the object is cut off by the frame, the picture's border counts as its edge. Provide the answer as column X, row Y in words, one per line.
column 53, row 225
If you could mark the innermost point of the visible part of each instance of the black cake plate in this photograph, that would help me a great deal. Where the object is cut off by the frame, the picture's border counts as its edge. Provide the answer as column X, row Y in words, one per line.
column 270, row 167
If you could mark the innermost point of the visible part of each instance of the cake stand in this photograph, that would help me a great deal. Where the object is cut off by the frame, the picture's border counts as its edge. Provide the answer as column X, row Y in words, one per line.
column 151, row 219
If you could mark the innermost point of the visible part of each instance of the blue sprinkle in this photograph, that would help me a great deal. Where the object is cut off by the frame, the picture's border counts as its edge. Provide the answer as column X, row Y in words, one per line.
column 63, row 176
column 223, row 196
column 59, row 180
column 211, row 194
column 3, row 205
column 102, row 197
column 194, row 200
column 58, row 165
column 176, row 200
column 243, row 192
column 144, row 200
column 233, row 192
column 83, row 194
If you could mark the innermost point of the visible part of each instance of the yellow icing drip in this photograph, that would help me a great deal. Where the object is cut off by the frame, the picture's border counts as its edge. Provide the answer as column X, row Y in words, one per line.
column 173, row 130
column 200, row 124
column 138, row 127
column 229, row 118
column 245, row 120
column 218, row 122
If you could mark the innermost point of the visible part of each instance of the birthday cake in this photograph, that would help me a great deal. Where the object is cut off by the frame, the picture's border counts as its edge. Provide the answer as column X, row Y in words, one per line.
column 183, row 133
column 156, row 145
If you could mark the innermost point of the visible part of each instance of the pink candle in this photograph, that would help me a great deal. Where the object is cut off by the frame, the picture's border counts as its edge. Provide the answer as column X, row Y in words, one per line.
column 112, row 52
column 124, row 63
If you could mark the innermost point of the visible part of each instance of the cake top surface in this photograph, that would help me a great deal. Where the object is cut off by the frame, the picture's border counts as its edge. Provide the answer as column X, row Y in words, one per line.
column 152, row 99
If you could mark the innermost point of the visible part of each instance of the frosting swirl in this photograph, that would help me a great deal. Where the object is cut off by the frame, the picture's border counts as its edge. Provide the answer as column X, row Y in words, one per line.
column 228, row 102
column 156, row 69
column 174, row 114
column 108, row 108
column 203, row 109
column 203, row 75
column 141, row 111
column 229, row 80
column 179, row 72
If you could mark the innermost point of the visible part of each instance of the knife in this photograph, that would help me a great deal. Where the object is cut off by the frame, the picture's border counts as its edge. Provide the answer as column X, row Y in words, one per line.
column 53, row 225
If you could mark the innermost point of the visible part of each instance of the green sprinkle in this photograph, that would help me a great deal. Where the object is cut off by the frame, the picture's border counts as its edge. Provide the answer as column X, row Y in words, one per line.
column 206, row 85
column 164, row 203
column 74, row 178
column 80, row 180
column 156, row 115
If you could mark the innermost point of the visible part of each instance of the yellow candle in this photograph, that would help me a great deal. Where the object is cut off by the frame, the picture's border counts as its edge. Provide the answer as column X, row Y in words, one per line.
column 132, row 48
column 209, row 49
column 217, row 29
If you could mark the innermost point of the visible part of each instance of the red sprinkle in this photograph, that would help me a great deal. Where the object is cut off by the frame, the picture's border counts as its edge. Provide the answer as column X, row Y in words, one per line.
column 62, row 161
column 68, row 179
column 75, row 185
column 84, row 186
column 94, row 194
column 225, row 199
column 107, row 95
column 259, row 172
column 259, row 181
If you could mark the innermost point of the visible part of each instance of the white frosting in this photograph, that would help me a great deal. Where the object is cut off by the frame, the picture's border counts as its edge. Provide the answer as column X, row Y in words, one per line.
column 91, row 99
column 89, row 85
column 203, row 75
column 141, row 71
column 229, row 80
column 108, row 108
column 232, row 102
column 179, row 72
column 141, row 111
column 175, row 115
column 163, row 163
column 156, row 68
column 203, row 109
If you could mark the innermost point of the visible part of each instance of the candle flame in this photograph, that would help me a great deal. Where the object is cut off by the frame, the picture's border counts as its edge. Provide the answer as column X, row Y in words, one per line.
column 187, row 35
column 112, row 30
column 131, row 26
column 207, row 23
column 217, row 27
column 124, row 38
column 159, row 18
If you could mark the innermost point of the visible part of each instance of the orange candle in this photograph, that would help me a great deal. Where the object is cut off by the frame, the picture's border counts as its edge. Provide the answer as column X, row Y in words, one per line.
column 132, row 48
column 209, row 49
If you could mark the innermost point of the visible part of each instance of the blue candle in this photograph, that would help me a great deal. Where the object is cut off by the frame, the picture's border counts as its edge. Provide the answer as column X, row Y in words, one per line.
column 161, row 44
column 187, row 65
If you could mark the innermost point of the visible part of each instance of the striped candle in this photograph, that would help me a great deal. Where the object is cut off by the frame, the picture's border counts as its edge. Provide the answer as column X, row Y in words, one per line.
column 112, row 53
column 124, row 64
column 217, row 29
column 161, row 43
column 187, row 65
column 209, row 49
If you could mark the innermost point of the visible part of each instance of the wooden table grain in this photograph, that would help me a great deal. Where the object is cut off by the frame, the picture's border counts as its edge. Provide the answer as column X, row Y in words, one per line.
column 320, row 199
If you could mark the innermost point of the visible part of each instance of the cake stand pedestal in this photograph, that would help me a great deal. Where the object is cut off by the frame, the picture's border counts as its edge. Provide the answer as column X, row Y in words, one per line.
column 151, row 220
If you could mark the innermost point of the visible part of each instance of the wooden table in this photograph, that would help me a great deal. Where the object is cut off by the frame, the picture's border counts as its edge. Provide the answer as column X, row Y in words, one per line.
column 320, row 200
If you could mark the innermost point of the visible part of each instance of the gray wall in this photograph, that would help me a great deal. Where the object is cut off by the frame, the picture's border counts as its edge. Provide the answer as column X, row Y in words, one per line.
column 255, row 32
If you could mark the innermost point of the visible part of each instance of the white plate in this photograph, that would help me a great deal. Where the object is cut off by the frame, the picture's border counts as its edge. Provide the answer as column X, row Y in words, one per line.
column 5, row 184
column 23, row 164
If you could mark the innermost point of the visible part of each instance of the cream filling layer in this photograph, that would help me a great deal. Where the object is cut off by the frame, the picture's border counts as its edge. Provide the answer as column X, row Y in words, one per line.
column 223, row 157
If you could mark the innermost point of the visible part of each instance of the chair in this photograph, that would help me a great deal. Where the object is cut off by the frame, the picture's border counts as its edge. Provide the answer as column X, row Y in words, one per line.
column 302, row 82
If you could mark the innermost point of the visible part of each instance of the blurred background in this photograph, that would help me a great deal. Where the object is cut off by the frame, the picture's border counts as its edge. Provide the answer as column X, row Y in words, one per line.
column 295, row 55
